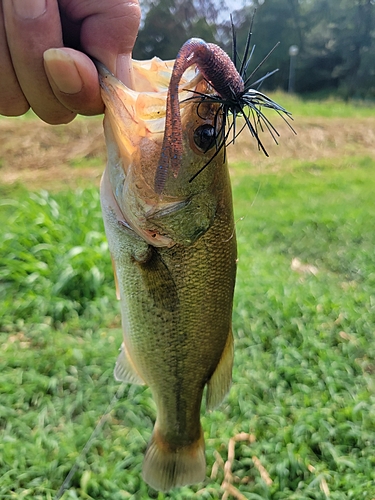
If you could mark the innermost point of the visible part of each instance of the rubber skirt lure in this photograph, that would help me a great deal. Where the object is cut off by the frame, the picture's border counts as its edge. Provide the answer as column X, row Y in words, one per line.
column 233, row 93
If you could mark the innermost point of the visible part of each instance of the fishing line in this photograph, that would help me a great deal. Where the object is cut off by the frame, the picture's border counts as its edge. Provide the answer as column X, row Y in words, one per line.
column 256, row 194
column 240, row 219
column 99, row 426
column 234, row 229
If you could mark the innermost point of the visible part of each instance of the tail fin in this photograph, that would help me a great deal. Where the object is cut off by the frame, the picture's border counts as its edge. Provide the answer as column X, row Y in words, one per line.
column 164, row 469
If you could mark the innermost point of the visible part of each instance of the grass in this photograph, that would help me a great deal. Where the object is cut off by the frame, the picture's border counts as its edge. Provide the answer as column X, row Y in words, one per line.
column 307, row 340
column 86, row 162
column 304, row 368
column 327, row 108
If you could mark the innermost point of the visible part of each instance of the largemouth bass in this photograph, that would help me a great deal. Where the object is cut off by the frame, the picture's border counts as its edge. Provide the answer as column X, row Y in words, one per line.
column 174, row 259
column 167, row 207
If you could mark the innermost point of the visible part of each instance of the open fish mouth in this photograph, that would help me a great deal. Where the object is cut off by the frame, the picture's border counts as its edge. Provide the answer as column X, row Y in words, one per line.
column 134, row 124
column 144, row 107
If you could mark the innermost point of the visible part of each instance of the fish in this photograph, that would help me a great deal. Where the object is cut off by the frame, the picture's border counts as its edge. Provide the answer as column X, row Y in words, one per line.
column 168, row 215
column 174, row 257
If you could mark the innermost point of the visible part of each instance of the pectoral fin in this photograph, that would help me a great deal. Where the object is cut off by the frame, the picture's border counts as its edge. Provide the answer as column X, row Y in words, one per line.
column 158, row 281
column 220, row 382
column 125, row 370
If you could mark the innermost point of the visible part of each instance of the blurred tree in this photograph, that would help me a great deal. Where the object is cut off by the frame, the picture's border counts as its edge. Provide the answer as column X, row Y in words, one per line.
column 356, row 38
column 275, row 22
column 162, row 32
column 169, row 23
column 336, row 38
column 338, row 41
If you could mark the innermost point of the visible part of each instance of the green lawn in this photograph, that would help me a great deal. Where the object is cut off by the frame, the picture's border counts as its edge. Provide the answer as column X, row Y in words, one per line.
column 328, row 108
column 304, row 376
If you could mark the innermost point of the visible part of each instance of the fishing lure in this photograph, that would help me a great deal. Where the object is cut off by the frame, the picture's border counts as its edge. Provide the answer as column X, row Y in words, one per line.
column 234, row 95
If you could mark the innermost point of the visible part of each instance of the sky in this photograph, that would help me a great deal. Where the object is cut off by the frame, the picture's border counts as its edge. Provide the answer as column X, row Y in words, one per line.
column 231, row 6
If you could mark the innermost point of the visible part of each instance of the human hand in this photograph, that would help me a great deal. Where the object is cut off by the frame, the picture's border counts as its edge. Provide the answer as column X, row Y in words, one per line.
column 43, row 47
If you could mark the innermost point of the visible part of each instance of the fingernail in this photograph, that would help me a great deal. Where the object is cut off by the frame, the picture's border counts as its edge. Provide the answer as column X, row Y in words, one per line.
column 62, row 70
column 30, row 9
column 124, row 70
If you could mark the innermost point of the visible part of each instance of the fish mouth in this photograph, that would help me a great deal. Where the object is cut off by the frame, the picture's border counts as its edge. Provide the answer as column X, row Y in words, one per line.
column 134, row 124
column 143, row 107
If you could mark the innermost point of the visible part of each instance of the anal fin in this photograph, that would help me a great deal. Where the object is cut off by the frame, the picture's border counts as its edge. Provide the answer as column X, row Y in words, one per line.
column 221, row 379
column 125, row 370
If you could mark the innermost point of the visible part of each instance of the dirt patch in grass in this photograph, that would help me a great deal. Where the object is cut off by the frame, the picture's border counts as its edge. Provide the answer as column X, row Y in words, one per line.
column 53, row 157
column 316, row 138
column 43, row 156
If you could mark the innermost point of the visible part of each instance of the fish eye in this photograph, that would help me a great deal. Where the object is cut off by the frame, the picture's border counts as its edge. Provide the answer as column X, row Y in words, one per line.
column 204, row 137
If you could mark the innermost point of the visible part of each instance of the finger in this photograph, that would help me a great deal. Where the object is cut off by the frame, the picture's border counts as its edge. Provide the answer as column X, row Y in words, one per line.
column 33, row 26
column 12, row 100
column 74, row 80
column 108, row 31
